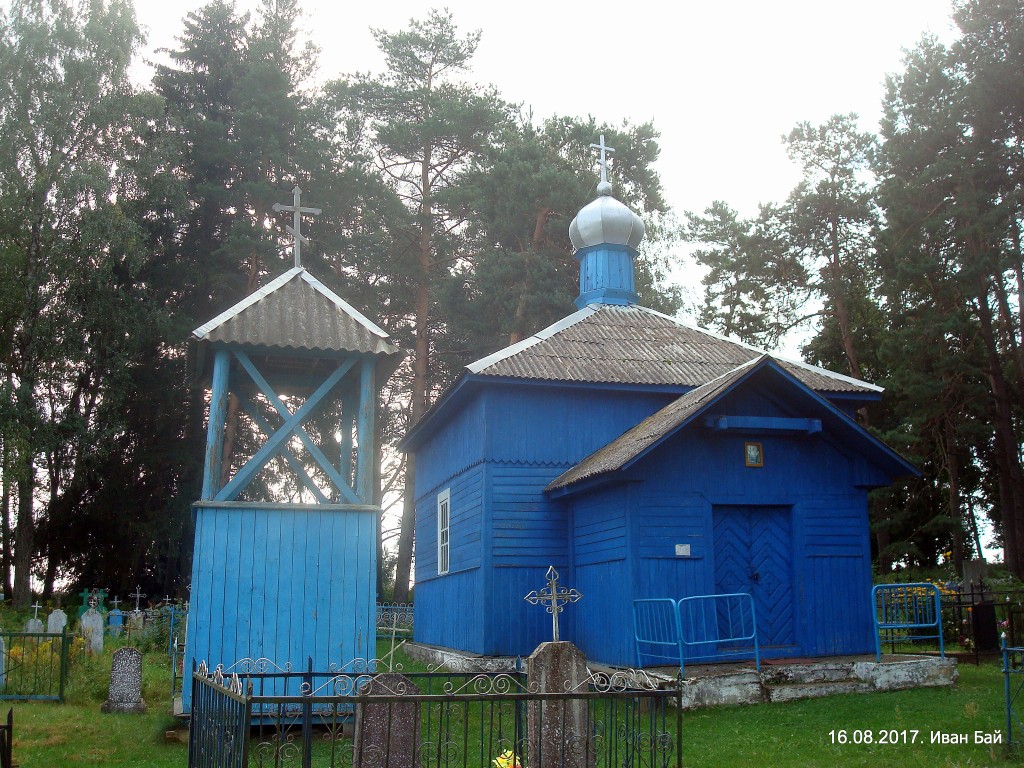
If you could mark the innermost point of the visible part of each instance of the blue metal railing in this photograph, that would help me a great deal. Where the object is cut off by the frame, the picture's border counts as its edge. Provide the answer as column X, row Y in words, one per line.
column 906, row 613
column 1013, row 679
column 703, row 627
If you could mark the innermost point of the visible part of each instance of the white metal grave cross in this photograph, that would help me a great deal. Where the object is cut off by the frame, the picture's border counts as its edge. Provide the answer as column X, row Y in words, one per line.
column 296, row 228
column 604, row 150
column 553, row 598
column 115, row 602
column 37, row 606
column 138, row 596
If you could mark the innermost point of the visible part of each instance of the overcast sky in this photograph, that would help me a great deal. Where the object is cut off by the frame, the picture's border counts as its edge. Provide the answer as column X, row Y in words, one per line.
column 722, row 80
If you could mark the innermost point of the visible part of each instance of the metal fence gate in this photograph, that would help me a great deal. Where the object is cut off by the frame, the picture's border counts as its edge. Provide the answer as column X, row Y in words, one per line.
column 33, row 665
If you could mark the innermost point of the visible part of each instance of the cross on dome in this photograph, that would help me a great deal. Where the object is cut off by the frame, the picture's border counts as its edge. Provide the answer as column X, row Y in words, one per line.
column 604, row 188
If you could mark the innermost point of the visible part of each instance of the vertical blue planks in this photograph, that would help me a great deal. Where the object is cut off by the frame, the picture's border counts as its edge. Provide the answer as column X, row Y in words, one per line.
column 286, row 582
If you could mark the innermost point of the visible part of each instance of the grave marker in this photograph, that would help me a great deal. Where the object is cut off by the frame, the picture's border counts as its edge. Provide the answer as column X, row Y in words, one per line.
column 115, row 619
column 387, row 733
column 125, row 692
column 35, row 624
column 91, row 627
column 56, row 621
column 558, row 729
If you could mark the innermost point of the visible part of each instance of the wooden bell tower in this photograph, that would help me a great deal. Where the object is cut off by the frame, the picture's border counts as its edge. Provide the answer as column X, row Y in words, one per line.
column 289, row 582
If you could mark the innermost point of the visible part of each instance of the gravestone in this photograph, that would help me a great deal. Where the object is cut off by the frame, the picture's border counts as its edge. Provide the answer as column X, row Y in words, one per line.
column 115, row 620
column 136, row 621
column 125, row 692
column 34, row 626
column 975, row 573
column 558, row 729
column 91, row 627
column 56, row 622
column 388, row 732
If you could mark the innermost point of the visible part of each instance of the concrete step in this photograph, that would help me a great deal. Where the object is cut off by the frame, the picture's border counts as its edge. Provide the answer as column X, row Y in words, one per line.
column 793, row 691
column 827, row 672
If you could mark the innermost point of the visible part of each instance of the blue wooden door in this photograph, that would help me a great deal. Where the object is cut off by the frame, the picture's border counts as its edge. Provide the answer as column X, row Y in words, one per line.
column 753, row 554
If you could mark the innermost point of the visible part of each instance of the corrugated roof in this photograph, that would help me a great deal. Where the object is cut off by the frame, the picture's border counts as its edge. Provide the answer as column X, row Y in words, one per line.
column 297, row 311
column 606, row 343
column 635, row 441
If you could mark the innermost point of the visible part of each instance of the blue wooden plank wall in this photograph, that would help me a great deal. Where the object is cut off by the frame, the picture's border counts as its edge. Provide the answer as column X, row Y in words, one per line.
column 514, row 627
column 455, row 445
column 528, row 530
column 557, row 426
column 449, row 611
column 284, row 582
column 436, row 621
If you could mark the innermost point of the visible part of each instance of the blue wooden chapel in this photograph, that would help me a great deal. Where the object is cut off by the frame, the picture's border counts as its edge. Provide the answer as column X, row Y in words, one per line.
column 289, row 582
column 643, row 459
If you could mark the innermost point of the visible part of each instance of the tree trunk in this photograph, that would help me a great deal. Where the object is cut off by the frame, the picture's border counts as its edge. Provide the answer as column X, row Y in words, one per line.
column 24, row 539
column 955, row 512
column 1011, row 480
column 5, row 519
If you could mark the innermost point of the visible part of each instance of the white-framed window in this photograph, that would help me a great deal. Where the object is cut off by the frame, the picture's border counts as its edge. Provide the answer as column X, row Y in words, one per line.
column 443, row 529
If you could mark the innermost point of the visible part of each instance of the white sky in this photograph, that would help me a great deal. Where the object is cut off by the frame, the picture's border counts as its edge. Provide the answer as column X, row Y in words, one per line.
column 722, row 81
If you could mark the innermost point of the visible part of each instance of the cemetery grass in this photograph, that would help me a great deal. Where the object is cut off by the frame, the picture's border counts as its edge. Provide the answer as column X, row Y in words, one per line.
column 792, row 734
column 76, row 733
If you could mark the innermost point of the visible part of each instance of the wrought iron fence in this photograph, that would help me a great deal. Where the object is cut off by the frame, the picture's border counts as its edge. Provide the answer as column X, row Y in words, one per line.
column 259, row 715
column 1013, row 686
column 394, row 620
column 33, row 665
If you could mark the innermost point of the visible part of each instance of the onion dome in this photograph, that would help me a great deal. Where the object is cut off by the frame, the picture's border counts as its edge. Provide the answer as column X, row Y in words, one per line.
column 606, row 221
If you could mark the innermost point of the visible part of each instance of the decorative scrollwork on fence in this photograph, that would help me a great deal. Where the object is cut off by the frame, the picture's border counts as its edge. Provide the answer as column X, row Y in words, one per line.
column 260, row 666
column 490, row 685
column 622, row 680
column 277, row 751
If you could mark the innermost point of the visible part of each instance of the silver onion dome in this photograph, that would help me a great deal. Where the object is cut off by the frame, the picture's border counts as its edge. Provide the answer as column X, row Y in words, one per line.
column 606, row 221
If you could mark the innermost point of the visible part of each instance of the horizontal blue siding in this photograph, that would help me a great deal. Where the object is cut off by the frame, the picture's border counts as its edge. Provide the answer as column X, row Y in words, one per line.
column 465, row 525
column 558, row 426
column 527, row 528
column 444, row 611
column 287, row 583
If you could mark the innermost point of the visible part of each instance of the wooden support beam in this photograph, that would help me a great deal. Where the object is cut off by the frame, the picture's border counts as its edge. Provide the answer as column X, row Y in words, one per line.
column 763, row 424
column 215, row 426
column 318, row 455
column 272, row 447
column 367, row 411
column 290, row 457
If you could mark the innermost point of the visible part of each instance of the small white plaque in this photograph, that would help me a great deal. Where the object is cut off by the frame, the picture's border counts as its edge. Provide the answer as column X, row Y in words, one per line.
column 682, row 550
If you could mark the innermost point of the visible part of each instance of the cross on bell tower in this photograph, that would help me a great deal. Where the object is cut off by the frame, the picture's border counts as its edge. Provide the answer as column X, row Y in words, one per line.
column 296, row 228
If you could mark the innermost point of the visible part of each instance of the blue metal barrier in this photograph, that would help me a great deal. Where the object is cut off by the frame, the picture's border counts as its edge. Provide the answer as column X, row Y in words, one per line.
column 704, row 627
column 903, row 607
column 656, row 629
column 1013, row 677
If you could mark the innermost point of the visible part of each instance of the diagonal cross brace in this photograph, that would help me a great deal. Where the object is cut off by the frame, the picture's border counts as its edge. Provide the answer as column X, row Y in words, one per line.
column 293, row 462
column 272, row 447
column 314, row 450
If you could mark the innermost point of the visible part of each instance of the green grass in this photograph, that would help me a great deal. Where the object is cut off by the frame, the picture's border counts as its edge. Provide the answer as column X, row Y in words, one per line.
column 792, row 734
column 47, row 734
column 797, row 733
